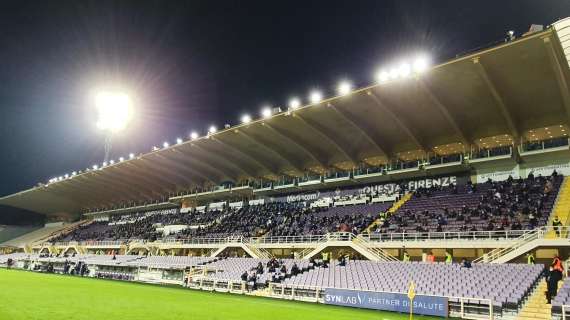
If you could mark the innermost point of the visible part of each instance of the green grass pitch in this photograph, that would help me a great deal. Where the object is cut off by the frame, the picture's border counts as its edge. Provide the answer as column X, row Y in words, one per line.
column 29, row 295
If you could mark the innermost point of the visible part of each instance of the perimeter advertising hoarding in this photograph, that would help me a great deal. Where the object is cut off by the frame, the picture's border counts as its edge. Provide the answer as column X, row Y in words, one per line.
column 397, row 302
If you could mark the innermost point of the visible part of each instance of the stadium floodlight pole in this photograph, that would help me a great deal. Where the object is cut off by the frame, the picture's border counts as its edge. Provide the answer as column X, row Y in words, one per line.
column 108, row 146
column 113, row 115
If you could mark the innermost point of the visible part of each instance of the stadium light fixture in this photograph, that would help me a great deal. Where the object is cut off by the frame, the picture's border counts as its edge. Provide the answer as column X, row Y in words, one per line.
column 194, row 135
column 394, row 73
column 294, row 103
column 113, row 110
column 246, row 118
column 105, row 164
column 154, row 148
column 165, row 144
column 178, row 140
column 404, row 70
column 95, row 167
column 315, row 96
column 111, row 161
column 382, row 76
column 121, row 159
column 66, row 176
column 266, row 112
column 213, row 129
column 420, row 64
column 344, row 88
column 60, row 178
column 131, row 155
column 74, row 173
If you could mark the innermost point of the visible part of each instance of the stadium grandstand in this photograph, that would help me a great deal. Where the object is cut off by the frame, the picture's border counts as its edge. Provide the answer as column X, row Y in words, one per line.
column 355, row 200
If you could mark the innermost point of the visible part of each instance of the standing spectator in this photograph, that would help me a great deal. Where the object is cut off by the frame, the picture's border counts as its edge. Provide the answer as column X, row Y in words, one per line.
column 448, row 257
column 530, row 258
column 557, row 225
column 430, row 257
column 406, row 257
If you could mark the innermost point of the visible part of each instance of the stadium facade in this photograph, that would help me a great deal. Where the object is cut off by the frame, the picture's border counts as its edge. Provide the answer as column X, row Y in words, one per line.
column 468, row 159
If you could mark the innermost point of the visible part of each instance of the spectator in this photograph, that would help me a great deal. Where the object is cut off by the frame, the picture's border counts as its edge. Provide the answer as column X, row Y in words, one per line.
column 530, row 258
column 406, row 257
column 448, row 257
column 557, row 225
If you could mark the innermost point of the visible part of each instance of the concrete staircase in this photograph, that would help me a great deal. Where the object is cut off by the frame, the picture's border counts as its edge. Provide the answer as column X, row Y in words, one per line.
column 390, row 211
column 536, row 306
column 561, row 208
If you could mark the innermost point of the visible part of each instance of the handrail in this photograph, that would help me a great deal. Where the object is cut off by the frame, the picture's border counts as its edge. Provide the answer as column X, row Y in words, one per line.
column 525, row 238
column 444, row 236
column 371, row 238
column 565, row 308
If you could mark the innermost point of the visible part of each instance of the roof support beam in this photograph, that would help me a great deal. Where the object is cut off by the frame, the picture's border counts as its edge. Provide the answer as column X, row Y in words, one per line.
column 498, row 99
column 367, row 135
column 144, row 173
column 221, row 162
column 168, row 175
column 85, row 191
column 82, row 200
column 407, row 130
column 247, row 156
column 560, row 79
column 191, row 159
column 305, row 149
column 196, row 175
column 445, row 111
column 106, row 194
column 271, row 149
column 134, row 180
column 137, row 192
column 326, row 135
column 111, row 184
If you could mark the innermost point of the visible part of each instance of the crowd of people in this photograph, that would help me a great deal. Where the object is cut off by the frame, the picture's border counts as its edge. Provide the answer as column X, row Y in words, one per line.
column 513, row 204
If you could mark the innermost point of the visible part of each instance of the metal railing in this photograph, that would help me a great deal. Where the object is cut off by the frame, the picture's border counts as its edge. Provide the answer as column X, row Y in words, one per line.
column 522, row 240
column 565, row 312
column 431, row 236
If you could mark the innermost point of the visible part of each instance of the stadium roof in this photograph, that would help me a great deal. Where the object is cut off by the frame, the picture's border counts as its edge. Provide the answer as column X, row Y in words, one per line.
column 504, row 91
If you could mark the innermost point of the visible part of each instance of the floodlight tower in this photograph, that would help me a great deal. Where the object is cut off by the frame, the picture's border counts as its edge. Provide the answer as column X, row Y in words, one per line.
column 113, row 115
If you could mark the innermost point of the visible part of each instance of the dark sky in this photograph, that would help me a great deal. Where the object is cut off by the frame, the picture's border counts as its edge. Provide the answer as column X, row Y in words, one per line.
column 198, row 63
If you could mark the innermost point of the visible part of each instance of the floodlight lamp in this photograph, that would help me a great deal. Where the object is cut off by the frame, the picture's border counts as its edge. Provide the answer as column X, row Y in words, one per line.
column 178, row 140
column 405, row 70
column 113, row 110
column 74, row 173
column 420, row 64
column 165, row 144
column 382, row 76
column 344, row 88
column 246, row 118
column 105, row 164
column 315, row 96
column 111, row 161
column 294, row 103
column 266, row 112
column 121, row 159
column 194, row 135
column 131, row 155
column 394, row 73
column 66, row 176
column 213, row 129
column 95, row 167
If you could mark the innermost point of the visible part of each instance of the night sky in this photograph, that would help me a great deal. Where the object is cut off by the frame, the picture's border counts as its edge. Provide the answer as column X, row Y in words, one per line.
column 190, row 65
